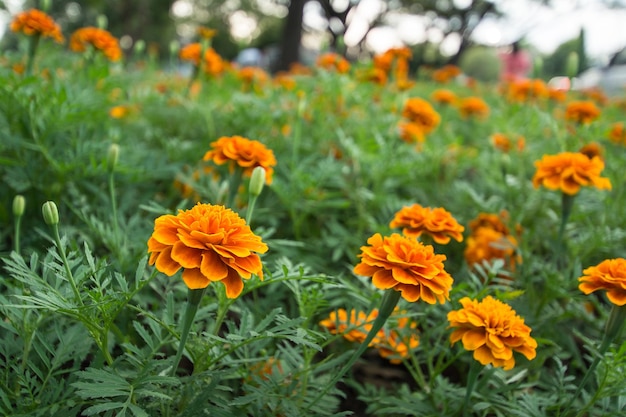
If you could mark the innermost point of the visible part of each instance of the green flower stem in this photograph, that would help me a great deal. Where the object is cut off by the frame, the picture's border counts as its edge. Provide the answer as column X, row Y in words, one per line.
column 387, row 305
column 472, row 377
column 194, row 297
column 567, row 202
column 233, row 186
column 16, row 239
column 613, row 329
column 116, row 233
column 32, row 50
column 68, row 270
column 251, row 202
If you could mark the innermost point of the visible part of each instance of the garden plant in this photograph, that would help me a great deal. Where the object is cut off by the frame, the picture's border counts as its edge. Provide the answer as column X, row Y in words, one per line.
column 347, row 238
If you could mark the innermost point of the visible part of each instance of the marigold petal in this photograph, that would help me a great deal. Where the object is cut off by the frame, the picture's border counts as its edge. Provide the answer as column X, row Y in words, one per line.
column 233, row 284
column 383, row 279
column 483, row 355
column 165, row 263
column 617, row 297
column 473, row 339
column 185, row 256
column 213, row 267
column 194, row 279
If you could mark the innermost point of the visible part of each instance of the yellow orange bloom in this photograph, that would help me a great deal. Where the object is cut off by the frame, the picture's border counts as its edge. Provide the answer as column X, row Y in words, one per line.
column 592, row 149
column 526, row 90
column 486, row 244
column 436, row 222
column 405, row 265
column 582, row 112
column 333, row 61
column 493, row 331
column 609, row 275
column 420, row 112
column 568, row 171
column 395, row 344
column 473, row 107
column 446, row 73
column 212, row 64
column 206, row 33
column 210, row 243
column 119, row 112
column 354, row 327
column 617, row 134
column 445, row 97
column 492, row 221
column 503, row 142
column 34, row 22
column 99, row 39
column 245, row 153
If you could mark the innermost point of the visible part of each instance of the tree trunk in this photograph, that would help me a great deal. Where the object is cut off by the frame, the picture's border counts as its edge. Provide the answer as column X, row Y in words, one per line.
column 292, row 35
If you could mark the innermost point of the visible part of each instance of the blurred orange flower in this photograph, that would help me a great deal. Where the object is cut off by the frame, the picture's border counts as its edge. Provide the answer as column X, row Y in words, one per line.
column 473, row 107
column 34, row 22
column 333, row 61
column 353, row 327
column 446, row 73
column 411, row 132
column 245, row 153
column 445, row 97
column 503, row 142
column 206, row 33
column 438, row 223
column 486, row 244
column 100, row 39
column 568, row 171
column 395, row 344
column 617, row 134
column 211, row 243
column 492, row 330
column 609, row 275
column 213, row 64
column 582, row 112
column 419, row 112
column 592, row 149
column 526, row 90
column 406, row 265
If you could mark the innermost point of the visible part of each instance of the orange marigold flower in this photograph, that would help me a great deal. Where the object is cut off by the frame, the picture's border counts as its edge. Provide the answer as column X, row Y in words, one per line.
column 354, row 327
column 568, row 171
column 118, row 112
column 617, row 134
column 609, row 275
column 557, row 95
column 211, row 243
column 419, row 112
column 592, row 149
column 213, row 64
column 206, row 33
column 486, row 244
column 34, row 22
column 582, row 112
column 396, row 344
column 99, row 39
column 445, row 97
column 333, row 61
column 527, row 90
column 492, row 221
column 411, row 132
column 492, row 330
column 503, row 142
column 245, row 153
column 438, row 223
column 446, row 73
column 473, row 107
column 406, row 265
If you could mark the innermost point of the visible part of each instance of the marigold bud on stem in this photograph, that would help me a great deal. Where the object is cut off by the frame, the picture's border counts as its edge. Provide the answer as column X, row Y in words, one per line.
column 50, row 213
column 112, row 156
column 257, row 181
column 19, row 203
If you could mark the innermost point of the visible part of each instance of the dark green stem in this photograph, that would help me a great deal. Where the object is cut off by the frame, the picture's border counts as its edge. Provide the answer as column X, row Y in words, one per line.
column 16, row 240
column 472, row 377
column 32, row 50
column 114, row 208
column 68, row 270
column 233, row 186
column 194, row 298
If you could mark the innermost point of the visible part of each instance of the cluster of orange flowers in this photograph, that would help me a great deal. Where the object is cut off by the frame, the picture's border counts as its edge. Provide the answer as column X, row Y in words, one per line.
column 406, row 265
column 568, row 171
column 421, row 118
column 445, row 97
column 503, row 142
column 493, row 331
column 617, row 134
column 252, row 77
column 333, row 61
column 473, row 107
column 446, row 73
column 582, row 112
column 393, row 343
column 525, row 90
column 212, row 63
column 100, row 39
column 210, row 243
column 237, row 151
column 34, row 22
column 438, row 223
column 490, row 239
column 393, row 62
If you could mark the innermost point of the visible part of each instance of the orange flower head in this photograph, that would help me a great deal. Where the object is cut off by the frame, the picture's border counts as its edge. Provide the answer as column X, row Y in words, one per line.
column 210, row 243
column 406, row 265
column 492, row 221
column 609, row 275
column 486, row 244
column 526, row 90
column 582, row 112
column 333, row 61
column 100, row 39
column 245, row 153
column 438, row 223
column 617, row 134
column 354, row 327
column 119, row 112
column 396, row 344
column 493, row 331
column 445, row 97
column 501, row 141
column 568, row 171
column 34, row 22
column 206, row 33
column 419, row 112
column 473, row 107
column 446, row 73
column 191, row 53
column 411, row 132
column 592, row 149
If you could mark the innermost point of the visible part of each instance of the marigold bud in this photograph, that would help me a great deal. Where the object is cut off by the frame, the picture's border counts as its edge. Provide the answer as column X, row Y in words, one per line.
column 19, row 203
column 571, row 65
column 102, row 21
column 140, row 46
column 112, row 156
column 50, row 213
column 257, row 181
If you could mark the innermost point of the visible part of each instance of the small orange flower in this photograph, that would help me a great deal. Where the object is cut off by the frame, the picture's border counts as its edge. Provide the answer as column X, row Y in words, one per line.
column 406, row 265
column 333, row 61
column 582, row 112
column 411, row 132
column 395, row 344
column 211, row 243
column 617, row 134
column 99, row 39
column 206, row 33
column 245, row 153
column 486, row 244
column 492, row 221
column 354, row 327
column 568, row 171
column 609, row 275
column 493, row 331
column 446, row 73
column 34, row 22
column 213, row 64
column 473, row 107
column 437, row 222
column 119, row 112
column 526, row 90
column 592, row 149
column 445, row 97
column 503, row 142
column 419, row 112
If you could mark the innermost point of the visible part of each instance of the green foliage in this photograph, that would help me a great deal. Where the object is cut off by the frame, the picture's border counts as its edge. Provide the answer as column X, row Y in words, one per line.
column 481, row 63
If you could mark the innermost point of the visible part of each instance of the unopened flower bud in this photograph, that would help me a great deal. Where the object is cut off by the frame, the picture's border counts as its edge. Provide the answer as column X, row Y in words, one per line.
column 44, row 5
column 102, row 21
column 257, row 181
column 50, row 213
column 174, row 47
column 140, row 46
column 112, row 156
column 571, row 65
column 19, row 203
